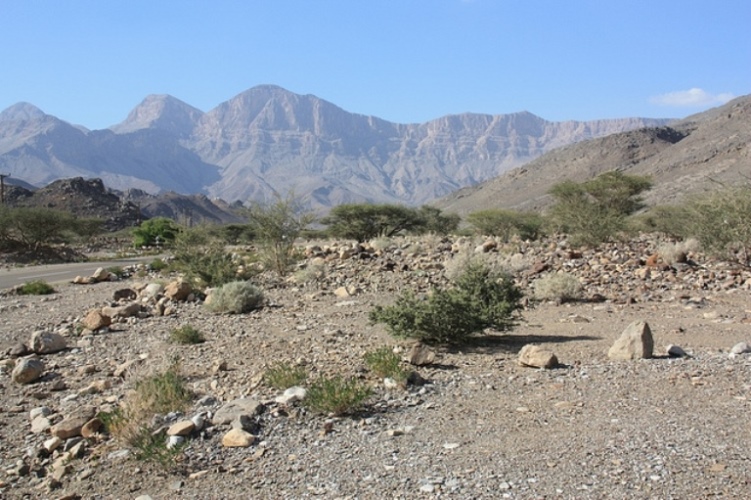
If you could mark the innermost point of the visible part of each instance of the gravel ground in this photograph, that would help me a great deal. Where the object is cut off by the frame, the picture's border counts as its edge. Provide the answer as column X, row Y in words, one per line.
column 481, row 427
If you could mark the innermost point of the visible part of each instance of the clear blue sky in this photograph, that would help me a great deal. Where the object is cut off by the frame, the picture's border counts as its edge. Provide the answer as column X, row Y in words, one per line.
column 90, row 62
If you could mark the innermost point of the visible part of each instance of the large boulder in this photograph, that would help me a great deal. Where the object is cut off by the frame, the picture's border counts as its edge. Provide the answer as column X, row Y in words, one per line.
column 635, row 342
column 178, row 290
column 95, row 320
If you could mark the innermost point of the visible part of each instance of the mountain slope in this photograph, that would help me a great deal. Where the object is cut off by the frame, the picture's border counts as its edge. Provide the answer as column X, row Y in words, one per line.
column 692, row 155
column 268, row 140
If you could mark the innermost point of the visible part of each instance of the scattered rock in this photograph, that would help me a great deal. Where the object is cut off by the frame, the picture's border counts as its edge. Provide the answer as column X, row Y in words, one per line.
column 291, row 395
column 181, row 428
column 237, row 408
column 537, row 357
column 238, row 438
column 95, row 320
column 177, row 290
column 675, row 351
column 421, row 355
column 634, row 343
column 43, row 342
column 27, row 370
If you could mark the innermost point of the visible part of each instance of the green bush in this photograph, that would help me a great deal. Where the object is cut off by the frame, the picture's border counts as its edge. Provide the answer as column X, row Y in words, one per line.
column 507, row 223
column 38, row 287
column 235, row 297
column 155, row 232
column 478, row 300
column 721, row 221
column 203, row 259
column 276, row 226
column 284, row 375
column 596, row 211
column 336, row 395
column 158, row 265
column 186, row 335
column 383, row 362
column 363, row 222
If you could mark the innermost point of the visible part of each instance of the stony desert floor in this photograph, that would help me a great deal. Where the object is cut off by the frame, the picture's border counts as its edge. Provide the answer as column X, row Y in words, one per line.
column 481, row 426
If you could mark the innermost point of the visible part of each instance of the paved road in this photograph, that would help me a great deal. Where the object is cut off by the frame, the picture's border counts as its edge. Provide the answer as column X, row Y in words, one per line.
column 59, row 273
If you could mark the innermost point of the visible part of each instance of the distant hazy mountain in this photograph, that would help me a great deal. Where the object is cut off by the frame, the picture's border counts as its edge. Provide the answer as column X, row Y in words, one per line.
column 268, row 140
column 696, row 154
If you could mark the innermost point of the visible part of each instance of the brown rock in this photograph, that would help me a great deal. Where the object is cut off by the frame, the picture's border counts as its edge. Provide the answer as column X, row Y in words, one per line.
column 421, row 355
column 181, row 428
column 537, row 357
column 178, row 290
column 634, row 343
column 238, row 438
column 68, row 428
column 27, row 370
column 125, row 311
column 91, row 428
column 95, row 320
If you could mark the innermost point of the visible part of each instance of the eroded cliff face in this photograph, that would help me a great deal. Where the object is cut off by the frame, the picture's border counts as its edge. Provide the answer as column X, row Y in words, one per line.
column 268, row 140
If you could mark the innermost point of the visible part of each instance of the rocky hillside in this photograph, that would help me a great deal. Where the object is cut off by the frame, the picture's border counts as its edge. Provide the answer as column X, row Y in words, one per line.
column 692, row 155
column 90, row 198
column 268, row 140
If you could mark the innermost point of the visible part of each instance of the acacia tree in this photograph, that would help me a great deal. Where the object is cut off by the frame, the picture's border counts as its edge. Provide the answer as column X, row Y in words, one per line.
column 595, row 211
column 276, row 226
column 365, row 221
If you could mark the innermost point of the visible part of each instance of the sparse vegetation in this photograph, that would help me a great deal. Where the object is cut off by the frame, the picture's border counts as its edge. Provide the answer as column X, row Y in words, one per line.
column 203, row 259
column 336, row 395
column 478, row 300
column 236, row 297
column 559, row 287
column 383, row 362
column 159, row 393
column 37, row 287
column 158, row 265
column 284, row 375
column 186, row 335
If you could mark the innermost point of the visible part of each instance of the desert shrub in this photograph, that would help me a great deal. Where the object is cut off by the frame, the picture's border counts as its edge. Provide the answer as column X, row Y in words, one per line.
column 159, row 393
column 35, row 228
column 117, row 271
column 672, row 220
column 596, row 211
column 186, row 335
column 433, row 220
column 336, row 395
column 283, row 375
column 670, row 253
column 560, row 287
column 235, row 297
column 478, row 300
column 236, row 234
column 384, row 362
column 203, row 259
column 309, row 274
column 276, row 227
column 158, row 265
column 506, row 223
column 155, row 232
column 37, row 287
column 721, row 221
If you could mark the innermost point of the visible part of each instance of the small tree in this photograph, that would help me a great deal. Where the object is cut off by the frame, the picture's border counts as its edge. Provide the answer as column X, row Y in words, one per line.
column 35, row 228
column 721, row 221
column 506, row 223
column 276, row 226
column 594, row 211
column 203, row 258
column 364, row 222
column 159, row 230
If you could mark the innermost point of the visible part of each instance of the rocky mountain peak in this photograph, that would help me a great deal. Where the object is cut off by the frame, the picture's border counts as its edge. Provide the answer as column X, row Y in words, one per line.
column 161, row 112
column 22, row 111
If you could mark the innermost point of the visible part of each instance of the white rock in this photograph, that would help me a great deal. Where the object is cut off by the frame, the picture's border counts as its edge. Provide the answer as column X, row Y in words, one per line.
column 291, row 395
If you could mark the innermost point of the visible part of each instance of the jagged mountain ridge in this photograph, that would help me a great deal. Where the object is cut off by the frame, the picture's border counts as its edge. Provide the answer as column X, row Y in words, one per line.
column 696, row 154
column 268, row 140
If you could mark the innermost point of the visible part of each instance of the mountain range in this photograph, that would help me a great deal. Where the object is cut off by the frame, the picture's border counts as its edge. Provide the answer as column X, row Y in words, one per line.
column 268, row 140
column 699, row 153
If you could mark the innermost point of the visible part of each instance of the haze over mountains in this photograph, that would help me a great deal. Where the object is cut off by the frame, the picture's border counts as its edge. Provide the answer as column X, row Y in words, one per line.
column 268, row 140
column 699, row 153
